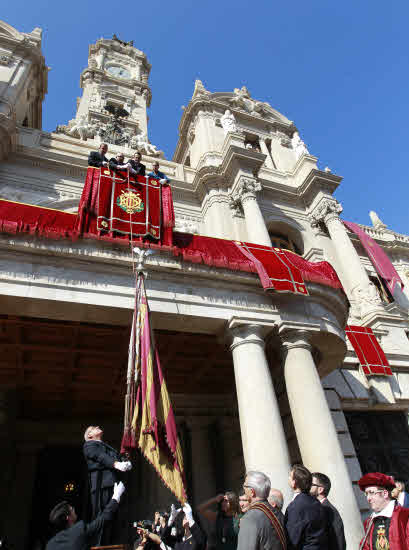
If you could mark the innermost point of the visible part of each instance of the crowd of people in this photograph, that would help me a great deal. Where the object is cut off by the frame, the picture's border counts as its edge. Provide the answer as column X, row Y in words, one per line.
column 253, row 520
column 133, row 166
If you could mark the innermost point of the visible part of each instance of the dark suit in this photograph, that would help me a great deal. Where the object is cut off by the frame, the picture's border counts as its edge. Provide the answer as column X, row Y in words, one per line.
column 82, row 535
column 96, row 159
column 138, row 167
column 113, row 164
column 405, row 500
column 102, row 475
column 279, row 515
column 306, row 524
column 196, row 542
column 336, row 535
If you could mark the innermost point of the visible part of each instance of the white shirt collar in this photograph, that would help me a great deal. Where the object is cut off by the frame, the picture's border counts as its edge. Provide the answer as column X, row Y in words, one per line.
column 387, row 511
column 401, row 498
column 295, row 496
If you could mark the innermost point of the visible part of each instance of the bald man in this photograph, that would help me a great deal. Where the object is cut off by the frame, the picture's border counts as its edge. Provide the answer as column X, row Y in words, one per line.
column 276, row 501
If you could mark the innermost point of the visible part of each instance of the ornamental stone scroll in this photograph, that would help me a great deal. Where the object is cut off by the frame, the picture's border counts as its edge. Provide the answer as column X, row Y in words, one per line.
column 325, row 211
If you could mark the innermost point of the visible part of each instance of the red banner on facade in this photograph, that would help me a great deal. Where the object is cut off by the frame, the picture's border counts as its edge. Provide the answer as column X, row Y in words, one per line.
column 274, row 267
column 129, row 206
column 370, row 354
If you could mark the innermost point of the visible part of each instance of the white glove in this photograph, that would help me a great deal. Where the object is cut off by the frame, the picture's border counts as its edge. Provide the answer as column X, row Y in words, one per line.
column 188, row 513
column 173, row 514
column 105, row 164
column 122, row 466
column 119, row 489
column 163, row 181
column 122, row 166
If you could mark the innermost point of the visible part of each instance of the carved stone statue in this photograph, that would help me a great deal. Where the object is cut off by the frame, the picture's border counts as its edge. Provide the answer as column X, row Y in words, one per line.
column 199, row 89
column 299, row 146
column 228, row 122
column 376, row 220
column 140, row 142
column 82, row 128
column 242, row 100
column 366, row 299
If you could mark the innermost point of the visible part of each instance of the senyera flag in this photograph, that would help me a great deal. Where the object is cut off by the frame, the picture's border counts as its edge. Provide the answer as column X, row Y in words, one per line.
column 149, row 422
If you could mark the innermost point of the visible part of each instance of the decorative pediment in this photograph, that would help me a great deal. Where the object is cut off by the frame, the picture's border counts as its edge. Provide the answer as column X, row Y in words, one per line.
column 10, row 32
column 240, row 100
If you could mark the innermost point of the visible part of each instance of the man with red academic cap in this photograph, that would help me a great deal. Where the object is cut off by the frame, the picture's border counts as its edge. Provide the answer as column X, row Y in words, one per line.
column 387, row 528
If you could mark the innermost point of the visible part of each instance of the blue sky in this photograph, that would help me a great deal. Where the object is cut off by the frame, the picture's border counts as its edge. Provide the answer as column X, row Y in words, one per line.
column 339, row 70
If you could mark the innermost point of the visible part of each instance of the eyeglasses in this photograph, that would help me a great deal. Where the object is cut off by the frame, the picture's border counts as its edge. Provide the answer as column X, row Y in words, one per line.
column 373, row 493
column 316, row 485
column 247, row 487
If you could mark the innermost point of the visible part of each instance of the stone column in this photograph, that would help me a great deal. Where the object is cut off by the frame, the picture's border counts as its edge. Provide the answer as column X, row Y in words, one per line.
column 256, row 226
column 362, row 291
column 216, row 212
column 203, row 464
column 20, row 500
column 264, row 443
column 317, row 438
column 203, row 474
column 264, row 149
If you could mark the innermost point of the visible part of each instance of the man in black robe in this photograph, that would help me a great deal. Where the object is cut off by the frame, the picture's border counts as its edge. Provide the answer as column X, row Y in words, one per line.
column 78, row 535
column 103, row 463
column 98, row 158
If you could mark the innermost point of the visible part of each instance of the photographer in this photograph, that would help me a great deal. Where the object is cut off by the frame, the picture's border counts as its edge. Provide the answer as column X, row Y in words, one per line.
column 226, row 519
column 188, row 534
column 146, row 539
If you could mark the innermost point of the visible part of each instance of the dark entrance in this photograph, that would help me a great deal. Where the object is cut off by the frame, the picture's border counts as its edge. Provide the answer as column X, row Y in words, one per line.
column 61, row 475
column 381, row 440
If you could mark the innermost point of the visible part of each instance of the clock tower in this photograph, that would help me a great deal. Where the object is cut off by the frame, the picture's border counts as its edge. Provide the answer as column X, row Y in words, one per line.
column 117, row 78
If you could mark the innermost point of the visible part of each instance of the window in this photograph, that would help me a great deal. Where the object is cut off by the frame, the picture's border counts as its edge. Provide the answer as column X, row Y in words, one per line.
column 382, row 289
column 281, row 241
column 381, row 441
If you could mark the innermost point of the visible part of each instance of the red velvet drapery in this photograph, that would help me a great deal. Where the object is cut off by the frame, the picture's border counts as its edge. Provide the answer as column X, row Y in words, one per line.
column 369, row 352
column 100, row 213
column 45, row 222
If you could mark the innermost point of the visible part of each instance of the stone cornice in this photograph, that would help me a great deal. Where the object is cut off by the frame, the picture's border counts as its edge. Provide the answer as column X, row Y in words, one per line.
column 387, row 238
column 130, row 51
column 318, row 180
column 114, row 258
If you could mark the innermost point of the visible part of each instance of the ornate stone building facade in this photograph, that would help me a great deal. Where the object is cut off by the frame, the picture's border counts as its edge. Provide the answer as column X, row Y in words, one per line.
column 258, row 380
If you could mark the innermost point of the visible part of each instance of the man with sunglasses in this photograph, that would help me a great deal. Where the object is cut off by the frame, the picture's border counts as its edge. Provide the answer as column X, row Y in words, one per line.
column 388, row 525
column 320, row 488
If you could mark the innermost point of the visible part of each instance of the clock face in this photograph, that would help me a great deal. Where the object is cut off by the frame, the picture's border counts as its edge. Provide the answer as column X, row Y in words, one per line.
column 118, row 72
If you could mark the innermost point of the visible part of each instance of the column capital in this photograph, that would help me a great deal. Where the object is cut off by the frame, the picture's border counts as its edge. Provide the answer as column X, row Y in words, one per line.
column 296, row 339
column 246, row 189
column 247, row 331
column 325, row 211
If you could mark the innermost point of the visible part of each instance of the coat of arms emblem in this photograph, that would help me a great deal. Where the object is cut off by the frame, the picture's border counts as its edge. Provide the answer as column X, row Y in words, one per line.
column 130, row 201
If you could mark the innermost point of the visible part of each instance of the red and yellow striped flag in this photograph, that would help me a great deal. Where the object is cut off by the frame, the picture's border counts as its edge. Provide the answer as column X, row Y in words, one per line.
column 149, row 420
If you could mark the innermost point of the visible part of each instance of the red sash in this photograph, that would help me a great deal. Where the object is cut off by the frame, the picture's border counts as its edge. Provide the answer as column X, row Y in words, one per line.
column 274, row 521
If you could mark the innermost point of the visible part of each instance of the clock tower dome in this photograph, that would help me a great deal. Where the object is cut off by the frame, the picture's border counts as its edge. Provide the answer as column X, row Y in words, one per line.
column 117, row 78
